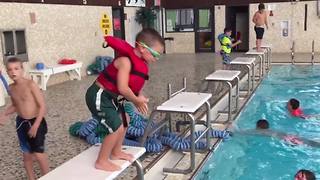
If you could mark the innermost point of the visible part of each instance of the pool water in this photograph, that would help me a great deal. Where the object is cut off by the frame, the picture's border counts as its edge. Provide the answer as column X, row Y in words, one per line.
column 248, row 157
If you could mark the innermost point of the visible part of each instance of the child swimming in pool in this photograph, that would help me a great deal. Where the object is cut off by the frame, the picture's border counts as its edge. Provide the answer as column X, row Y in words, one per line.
column 293, row 107
column 262, row 128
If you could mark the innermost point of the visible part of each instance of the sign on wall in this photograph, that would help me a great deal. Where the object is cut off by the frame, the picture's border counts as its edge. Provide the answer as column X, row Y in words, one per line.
column 284, row 28
column 158, row 2
column 105, row 24
column 136, row 3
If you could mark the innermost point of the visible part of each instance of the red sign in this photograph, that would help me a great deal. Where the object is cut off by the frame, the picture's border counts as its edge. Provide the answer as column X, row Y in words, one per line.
column 116, row 24
column 157, row 2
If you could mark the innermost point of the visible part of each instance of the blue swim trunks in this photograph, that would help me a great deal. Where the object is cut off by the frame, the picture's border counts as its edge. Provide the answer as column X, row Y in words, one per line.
column 226, row 59
column 27, row 144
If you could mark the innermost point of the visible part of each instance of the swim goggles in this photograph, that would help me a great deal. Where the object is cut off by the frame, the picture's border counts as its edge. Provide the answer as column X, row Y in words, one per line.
column 153, row 52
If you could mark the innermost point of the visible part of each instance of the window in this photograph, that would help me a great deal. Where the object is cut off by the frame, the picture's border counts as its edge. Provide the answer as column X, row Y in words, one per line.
column 14, row 44
column 179, row 20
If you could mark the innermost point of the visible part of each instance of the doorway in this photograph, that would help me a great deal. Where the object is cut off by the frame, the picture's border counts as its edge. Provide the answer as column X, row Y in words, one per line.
column 118, row 22
column 204, row 31
column 237, row 18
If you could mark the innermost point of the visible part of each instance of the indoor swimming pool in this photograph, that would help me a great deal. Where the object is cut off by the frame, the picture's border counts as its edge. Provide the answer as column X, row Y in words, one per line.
column 252, row 157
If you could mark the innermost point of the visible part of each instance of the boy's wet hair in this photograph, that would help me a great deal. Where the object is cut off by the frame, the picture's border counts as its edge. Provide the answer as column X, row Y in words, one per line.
column 13, row 60
column 262, row 124
column 308, row 174
column 261, row 6
column 295, row 104
column 227, row 29
column 149, row 36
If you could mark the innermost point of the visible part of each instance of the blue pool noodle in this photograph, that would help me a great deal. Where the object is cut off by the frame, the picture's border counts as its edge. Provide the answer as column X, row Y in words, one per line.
column 5, row 83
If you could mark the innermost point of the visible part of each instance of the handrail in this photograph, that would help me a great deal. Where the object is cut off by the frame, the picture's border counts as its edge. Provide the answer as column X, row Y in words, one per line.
column 312, row 53
column 171, row 94
column 292, row 52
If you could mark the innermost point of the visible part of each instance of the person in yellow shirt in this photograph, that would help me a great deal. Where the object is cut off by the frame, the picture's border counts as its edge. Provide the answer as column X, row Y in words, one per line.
column 226, row 47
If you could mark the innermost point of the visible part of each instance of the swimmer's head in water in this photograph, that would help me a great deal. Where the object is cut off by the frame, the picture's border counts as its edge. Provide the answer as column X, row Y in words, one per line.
column 262, row 124
column 304, row 174
column 293, row 104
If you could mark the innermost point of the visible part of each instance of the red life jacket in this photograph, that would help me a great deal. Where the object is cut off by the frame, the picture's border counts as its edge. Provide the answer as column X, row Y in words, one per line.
column 297, row 112
column 139, row 68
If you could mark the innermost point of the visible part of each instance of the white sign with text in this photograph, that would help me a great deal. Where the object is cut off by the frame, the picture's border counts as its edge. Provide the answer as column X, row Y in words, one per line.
column 137, row 3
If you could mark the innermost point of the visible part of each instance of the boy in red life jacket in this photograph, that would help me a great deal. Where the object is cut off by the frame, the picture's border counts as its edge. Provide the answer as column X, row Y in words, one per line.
column 294, row 108
column 122, row 79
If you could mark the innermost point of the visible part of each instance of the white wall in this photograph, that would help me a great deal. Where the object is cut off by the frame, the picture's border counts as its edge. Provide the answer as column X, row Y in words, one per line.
column 220, row 23
column 60, row 31
column 131, row 26
column 293, row 12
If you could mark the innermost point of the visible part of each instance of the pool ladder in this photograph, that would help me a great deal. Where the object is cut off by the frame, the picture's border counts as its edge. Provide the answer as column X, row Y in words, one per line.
column 293, row 52
column 312, row 53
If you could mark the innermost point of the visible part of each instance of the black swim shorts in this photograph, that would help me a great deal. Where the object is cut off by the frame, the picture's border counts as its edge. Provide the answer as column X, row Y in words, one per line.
column 259, row 32
column 28, row 144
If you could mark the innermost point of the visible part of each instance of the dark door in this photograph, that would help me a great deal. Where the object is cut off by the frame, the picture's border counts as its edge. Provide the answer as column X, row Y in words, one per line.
column 118, row 22
column 237, row 18
column 204, row 31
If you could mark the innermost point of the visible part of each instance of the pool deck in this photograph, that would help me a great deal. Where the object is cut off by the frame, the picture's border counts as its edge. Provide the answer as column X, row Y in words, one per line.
column 66, row 105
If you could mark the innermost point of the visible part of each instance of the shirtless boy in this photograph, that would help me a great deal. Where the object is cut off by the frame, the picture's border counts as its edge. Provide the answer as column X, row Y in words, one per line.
column 28, row 102
column 260, row 19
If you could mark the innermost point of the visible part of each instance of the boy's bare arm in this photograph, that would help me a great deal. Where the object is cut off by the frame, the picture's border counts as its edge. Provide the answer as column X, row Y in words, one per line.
column 124, row 67
column 39, row 98
column 254, row 18
column 236, row 43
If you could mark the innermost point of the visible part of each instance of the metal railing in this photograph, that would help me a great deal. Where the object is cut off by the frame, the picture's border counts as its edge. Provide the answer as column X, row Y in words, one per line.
column 293, row 51
column 312, row 53
column 171, row 94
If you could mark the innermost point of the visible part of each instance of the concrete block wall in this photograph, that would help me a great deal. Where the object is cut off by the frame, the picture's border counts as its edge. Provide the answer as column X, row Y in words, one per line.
column 294, row 13
column 59, row 31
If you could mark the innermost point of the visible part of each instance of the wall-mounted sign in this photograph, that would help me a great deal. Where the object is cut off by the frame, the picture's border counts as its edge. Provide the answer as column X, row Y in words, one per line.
column 105, row 24
column 137, row 3
column 116, row 24
column 158, row 2
column 285, row 28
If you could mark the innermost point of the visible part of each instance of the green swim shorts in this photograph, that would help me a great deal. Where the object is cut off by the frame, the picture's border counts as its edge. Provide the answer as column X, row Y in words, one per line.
column 104, row 106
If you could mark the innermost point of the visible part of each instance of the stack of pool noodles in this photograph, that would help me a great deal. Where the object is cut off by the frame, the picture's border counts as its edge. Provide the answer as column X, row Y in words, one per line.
column 90, row 132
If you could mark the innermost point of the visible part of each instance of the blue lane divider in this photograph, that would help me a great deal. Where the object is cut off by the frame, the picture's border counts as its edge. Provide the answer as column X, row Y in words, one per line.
column 154, row 144
column 5, row 83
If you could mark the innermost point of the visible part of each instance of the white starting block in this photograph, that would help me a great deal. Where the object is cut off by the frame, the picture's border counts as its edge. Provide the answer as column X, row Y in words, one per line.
column 41, row 77
column 82, row 167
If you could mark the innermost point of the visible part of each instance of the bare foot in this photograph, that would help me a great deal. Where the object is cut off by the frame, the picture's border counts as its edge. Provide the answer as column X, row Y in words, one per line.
column 260, row 50
column 122, row 155
column 107, row 166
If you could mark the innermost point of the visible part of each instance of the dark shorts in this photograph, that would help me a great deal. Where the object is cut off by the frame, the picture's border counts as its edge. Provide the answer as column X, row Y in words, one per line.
column 259, row 32
column 104, row 106
column 27, row 144
column 226, row 59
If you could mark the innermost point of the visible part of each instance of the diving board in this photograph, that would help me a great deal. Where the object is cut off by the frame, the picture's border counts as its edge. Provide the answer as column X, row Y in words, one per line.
column 227, row 76
column 249, row 63
column 81, row 167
